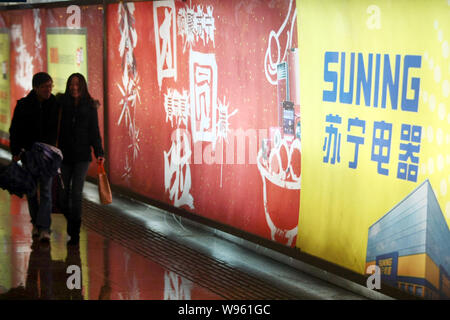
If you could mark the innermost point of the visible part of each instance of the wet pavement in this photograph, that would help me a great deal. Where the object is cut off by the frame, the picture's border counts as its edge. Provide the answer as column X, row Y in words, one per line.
column 132, row 251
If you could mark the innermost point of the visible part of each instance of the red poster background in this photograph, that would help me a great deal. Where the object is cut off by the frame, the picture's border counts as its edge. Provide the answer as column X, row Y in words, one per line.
column 228, row 193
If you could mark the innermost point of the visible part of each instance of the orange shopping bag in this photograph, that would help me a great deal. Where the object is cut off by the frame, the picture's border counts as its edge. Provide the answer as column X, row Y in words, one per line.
column 104, row 190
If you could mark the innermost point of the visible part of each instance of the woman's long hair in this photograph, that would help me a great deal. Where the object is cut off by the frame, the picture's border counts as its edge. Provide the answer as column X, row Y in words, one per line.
column 85, row 95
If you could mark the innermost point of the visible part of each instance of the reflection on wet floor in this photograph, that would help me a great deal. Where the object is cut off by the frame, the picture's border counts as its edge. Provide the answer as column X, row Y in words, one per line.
column 132, row 251
column 100, row 267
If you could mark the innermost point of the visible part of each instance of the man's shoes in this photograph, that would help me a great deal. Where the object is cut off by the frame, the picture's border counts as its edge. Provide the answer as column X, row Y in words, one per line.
column 35, row 232
column 44, row 236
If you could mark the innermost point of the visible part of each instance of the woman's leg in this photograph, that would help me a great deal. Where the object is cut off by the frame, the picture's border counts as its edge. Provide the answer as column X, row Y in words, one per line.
column 66, row 175
column 78, row 177
column 65, row 195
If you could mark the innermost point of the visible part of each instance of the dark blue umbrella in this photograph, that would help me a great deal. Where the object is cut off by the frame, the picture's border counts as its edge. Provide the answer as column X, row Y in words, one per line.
column 43, row 160
column 17, row 180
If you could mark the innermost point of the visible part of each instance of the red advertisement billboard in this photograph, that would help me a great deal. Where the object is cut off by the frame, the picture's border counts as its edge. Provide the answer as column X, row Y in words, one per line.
column 195, row 101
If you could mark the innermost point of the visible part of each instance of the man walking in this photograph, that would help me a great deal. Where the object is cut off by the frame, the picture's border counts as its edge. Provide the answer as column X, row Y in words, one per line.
column 35, row 120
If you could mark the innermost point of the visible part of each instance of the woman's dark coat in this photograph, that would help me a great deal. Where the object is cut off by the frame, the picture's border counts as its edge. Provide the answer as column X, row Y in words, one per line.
column 79, row 130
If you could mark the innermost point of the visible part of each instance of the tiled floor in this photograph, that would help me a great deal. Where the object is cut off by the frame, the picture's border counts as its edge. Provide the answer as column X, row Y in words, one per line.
column 132, row 251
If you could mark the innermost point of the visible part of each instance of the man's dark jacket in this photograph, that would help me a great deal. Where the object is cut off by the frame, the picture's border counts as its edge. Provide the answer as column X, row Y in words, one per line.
column 79, row 130
column 32, row 122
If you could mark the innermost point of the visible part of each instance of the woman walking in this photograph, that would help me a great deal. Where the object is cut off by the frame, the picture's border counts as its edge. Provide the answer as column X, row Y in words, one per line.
column 79, row 134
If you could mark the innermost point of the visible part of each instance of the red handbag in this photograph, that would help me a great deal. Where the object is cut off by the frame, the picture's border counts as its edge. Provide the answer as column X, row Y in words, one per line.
column 104, row 190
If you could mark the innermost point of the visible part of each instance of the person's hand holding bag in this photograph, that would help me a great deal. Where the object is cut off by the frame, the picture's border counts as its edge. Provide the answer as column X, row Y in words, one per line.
column 104, row 190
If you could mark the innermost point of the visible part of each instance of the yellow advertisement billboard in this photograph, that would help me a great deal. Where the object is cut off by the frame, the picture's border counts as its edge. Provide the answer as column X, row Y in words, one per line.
column 374, row 87
column 66, row 54
column 5, row 112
